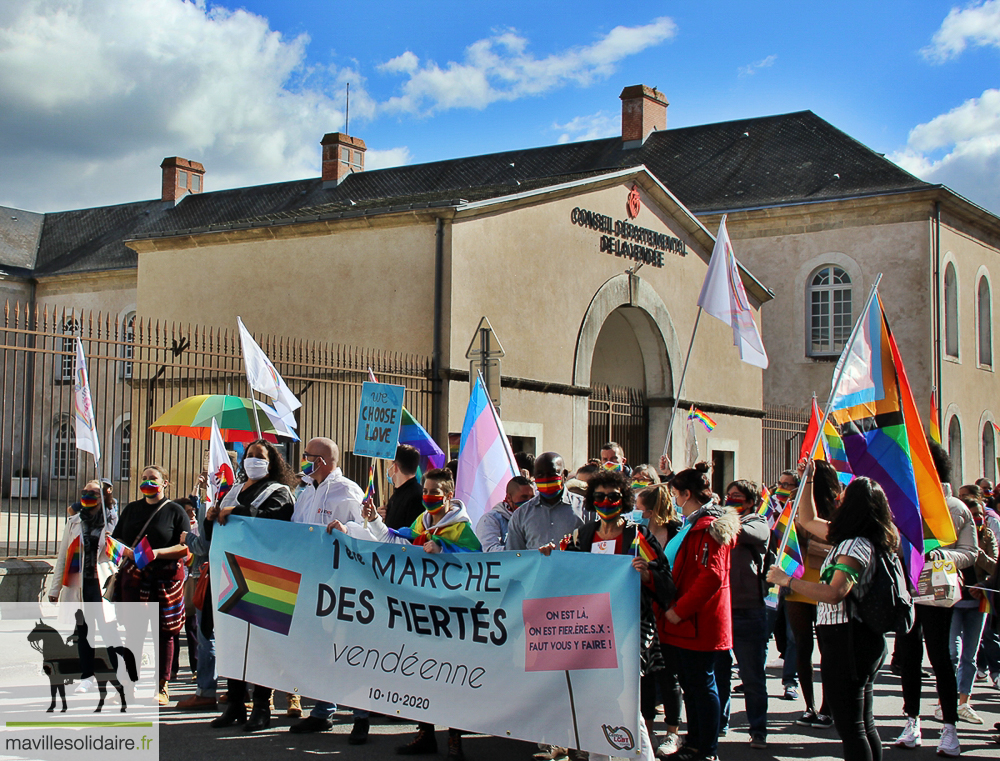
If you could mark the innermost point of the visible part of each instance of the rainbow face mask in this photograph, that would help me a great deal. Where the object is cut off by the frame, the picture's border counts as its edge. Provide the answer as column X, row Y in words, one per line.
column 549, row 487
column 614, row 467
column 782, row 493
column 433, row 503
column 606, row 507
column 90, row 499
column 307, row 467
column 150, row 488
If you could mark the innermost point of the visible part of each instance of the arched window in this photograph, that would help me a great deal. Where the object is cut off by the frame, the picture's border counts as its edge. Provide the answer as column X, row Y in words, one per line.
column 989, row 452
column 955, row 450
column 984, row 325
column 64, row 450
column 128, row 337
column 123, row 451
column 830, row 316
column 950, row 311
column 71, row 329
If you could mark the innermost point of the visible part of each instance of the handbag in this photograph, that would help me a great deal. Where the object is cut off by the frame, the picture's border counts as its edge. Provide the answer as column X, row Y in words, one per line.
column 201, row 588
column 112, row 583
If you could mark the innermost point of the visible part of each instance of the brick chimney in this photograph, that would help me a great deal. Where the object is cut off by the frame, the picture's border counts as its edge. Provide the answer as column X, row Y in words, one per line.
column 342, row 155
column 181, row 177
column 644, row 109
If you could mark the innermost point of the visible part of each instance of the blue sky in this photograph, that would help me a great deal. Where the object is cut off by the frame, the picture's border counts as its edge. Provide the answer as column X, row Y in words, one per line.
column 97, row 92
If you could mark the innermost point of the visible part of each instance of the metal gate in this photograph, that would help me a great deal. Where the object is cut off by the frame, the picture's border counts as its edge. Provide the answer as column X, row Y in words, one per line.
column 782, row 430
column 137, row 371
column 618, row 413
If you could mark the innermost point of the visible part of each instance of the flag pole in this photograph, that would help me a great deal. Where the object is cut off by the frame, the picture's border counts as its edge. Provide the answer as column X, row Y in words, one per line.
column 680, row 385
column 841, row 366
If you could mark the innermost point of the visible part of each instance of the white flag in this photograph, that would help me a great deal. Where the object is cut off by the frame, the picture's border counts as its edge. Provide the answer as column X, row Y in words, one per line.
column 262, row 377
column 723, row 297
column 83, row 407
column 220, row 468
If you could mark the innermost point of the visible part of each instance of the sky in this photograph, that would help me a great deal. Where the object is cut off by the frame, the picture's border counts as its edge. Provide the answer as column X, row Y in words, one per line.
column 95, row 93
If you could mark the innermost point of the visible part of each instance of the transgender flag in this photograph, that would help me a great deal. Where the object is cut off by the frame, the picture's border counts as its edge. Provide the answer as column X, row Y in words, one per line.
column 485, row 460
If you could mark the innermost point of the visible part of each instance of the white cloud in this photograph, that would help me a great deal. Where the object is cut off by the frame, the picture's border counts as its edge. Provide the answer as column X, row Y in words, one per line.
column 95, row 87
column 592, row 127
column 500, row 68
column 960, row 149
column 753, row 68
column 977, row 24
column 383, row 159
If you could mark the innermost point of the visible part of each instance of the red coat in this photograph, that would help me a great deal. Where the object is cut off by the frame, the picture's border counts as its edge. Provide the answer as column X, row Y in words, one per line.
column 701, row 575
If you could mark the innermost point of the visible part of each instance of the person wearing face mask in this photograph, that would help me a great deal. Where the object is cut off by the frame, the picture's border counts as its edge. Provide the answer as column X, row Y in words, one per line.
column 264, row 494
column 699, row 623
column 613, row 458
column 552, row 514
column 87, row 572
column 749, row 614
column 405, row 504
column 329, row 495
column 611, row 498
column 164, row 524
column 492, row 527
column 444, row 526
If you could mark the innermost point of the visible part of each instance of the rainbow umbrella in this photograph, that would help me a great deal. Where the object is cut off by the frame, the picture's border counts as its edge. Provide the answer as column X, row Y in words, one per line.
column 237, row 416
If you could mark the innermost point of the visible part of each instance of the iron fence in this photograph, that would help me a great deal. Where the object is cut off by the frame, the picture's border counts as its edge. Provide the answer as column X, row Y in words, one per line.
column 618, row 413
column 138, row 369
column 782, row 430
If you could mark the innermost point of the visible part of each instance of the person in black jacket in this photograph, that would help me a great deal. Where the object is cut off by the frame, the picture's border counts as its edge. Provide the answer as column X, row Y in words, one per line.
column 610, row 496
column 264, row 494
column 405, row 505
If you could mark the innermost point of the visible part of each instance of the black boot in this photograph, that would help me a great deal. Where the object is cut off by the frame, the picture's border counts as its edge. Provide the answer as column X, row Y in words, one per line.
column 359, row 732
column 424, row 742
column 235, row 713
column 455, row 747
column 260, row 718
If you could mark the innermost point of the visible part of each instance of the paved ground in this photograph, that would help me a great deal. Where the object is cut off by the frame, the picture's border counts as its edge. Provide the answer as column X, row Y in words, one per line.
column 187, row 735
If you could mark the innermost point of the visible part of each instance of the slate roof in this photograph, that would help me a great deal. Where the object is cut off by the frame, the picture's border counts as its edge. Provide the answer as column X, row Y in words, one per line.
column 748, row 163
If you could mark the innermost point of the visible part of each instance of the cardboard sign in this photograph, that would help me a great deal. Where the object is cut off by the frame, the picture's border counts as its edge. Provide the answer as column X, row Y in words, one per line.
column 378, row 420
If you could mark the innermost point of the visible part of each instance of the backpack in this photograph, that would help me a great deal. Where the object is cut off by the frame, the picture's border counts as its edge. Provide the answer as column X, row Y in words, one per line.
column 886, row 606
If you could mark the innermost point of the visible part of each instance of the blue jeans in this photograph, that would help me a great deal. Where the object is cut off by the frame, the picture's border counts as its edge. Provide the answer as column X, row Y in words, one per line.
column 208, row 677
column 696, row 673
column 324, row 710
column 966, row 630
column 988, row 659
column 750, row 649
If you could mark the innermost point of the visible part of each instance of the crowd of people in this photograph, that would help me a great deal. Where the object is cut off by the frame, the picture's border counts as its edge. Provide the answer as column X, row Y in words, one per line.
column 707, row 581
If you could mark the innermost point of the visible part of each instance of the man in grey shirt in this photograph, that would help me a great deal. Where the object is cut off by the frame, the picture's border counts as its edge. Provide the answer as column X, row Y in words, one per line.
column 552, row 514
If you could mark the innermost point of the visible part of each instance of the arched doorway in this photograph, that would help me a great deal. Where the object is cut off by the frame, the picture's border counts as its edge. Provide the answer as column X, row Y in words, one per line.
column 625, row 353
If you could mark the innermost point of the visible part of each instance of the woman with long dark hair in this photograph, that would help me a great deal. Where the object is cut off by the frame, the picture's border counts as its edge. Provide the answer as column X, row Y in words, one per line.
column 265, row 493
column 851, row 653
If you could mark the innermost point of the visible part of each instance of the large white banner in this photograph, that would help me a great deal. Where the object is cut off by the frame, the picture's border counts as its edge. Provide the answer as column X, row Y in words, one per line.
column 509, row 644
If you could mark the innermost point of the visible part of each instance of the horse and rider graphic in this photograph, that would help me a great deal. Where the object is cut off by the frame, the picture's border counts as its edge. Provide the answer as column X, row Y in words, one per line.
column 75, row 659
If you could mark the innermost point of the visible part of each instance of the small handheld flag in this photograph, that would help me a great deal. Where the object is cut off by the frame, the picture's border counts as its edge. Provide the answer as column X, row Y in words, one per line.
column 142, row 554
column 641, row 548
column 74, row 560
column 114, row 550
column 696, row 415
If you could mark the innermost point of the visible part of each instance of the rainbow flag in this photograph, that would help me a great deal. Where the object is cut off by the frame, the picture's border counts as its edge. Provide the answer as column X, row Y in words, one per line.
column 812, row 431
column 412, row 433
column 791, row 559
column 260, row 594
column 835, row 454
column 74, row 561
column 935, row 427
column 697, row 415
column 884, row 437
column 641, row 548
column 370, row 495
column 114, row 549
column 143, row 554
column 988, row 602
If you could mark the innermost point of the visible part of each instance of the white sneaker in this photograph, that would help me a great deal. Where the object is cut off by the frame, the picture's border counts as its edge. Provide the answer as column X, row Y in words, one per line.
column 670, row 745
column 967, row 713
column 86, row 685
column 910, row 736
column 777, row 663
column 948, row 744
column 939, row 714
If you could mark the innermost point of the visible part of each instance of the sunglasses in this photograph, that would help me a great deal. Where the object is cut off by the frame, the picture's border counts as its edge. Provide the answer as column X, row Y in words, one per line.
column 607, row 498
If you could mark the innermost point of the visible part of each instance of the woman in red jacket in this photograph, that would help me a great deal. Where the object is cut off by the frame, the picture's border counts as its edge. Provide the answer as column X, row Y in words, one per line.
column 699, row 623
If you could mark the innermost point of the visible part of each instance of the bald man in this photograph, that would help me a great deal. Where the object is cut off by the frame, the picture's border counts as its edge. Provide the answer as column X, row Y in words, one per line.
column 552, row 514
column 329, row 495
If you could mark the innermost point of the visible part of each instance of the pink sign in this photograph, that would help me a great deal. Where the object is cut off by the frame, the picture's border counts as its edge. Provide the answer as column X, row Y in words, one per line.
column 567, row 633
